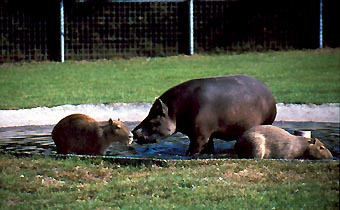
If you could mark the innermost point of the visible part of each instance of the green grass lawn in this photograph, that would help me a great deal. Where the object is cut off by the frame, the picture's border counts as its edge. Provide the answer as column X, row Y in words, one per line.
column 310, row 76
column 47, row 183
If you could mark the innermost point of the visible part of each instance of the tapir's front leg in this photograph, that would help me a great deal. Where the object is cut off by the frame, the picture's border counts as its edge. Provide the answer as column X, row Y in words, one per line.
column 197, row 144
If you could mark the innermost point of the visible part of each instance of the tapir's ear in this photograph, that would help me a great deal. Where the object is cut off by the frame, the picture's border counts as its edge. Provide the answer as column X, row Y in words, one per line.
column 162, row 107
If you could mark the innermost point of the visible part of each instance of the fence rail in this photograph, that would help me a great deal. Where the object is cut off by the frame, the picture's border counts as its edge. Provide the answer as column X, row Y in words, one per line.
column 109, row 28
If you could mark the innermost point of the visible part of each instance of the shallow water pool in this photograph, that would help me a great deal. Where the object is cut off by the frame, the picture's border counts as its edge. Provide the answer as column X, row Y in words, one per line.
column 37, row 140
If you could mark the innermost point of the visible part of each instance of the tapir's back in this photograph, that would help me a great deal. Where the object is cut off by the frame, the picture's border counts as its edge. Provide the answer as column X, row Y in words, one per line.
column 230, row 105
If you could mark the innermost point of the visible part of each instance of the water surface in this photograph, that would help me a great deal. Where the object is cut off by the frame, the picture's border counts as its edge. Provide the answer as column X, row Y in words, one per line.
column 37, row 140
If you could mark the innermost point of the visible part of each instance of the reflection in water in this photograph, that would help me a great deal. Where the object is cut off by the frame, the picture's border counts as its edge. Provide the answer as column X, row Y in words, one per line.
column 37, row 140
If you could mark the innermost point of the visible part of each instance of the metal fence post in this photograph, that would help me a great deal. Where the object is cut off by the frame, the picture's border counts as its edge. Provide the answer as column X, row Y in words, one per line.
column 191, row 27
column 321, row 27
column 62, row 47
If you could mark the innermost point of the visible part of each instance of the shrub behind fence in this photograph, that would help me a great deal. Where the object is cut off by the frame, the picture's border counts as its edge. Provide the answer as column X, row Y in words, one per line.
column 108, row 28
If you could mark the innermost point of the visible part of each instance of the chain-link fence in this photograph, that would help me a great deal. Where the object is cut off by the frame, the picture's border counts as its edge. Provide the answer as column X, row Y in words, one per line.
column 103, row 29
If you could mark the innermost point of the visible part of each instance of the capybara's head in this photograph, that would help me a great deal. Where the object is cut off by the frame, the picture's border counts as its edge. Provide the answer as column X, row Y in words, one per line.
column 117, row 131
column 155, row 126
column 317, row 150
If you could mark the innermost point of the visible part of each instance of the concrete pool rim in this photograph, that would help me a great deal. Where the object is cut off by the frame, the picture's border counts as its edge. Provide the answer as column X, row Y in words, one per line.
column 329, row 112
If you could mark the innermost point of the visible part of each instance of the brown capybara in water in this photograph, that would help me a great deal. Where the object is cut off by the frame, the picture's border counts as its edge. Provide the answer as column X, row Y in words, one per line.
column 267, row 141
column 80, row 134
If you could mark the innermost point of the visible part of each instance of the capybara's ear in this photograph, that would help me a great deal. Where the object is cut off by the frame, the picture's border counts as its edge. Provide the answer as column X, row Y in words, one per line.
column 114, row 125
column 310, row 140
column 317, row 142
column 118, row 119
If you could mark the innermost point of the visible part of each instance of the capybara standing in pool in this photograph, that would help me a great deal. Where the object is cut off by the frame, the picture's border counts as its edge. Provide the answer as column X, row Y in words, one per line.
column 80, row 134
column 267, row 141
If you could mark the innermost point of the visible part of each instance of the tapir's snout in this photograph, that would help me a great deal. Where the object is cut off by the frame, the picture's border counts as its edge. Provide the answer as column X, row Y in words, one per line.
column 140, row 138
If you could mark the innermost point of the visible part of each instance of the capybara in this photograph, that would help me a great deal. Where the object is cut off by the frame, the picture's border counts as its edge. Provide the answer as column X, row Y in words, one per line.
column 267, row 141
column 81, row 134
column 207, row 108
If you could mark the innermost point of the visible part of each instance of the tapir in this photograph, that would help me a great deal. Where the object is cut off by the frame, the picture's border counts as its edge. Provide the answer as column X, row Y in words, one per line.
column 206, row 108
